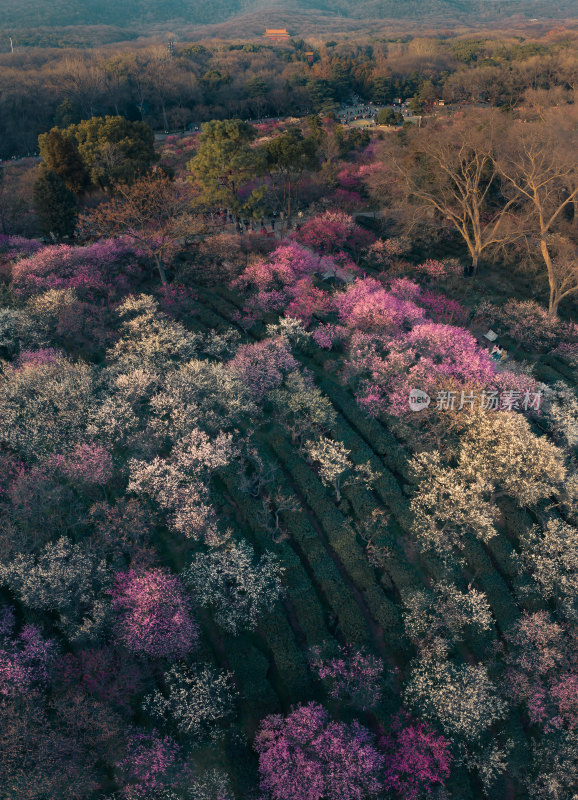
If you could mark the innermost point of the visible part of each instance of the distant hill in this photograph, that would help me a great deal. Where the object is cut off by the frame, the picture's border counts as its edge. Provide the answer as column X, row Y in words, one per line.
column 142, row 14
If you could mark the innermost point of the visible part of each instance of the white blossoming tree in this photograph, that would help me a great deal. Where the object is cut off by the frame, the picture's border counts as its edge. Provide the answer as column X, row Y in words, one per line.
column 237, row 585
column 180, row 484
column 460, row 698
column 334, row 465
column 302, row 408
column 64, row 578
column 445, row 612
column 197, row 700
column 44, row 407
column 497, row 454
column 551, row 556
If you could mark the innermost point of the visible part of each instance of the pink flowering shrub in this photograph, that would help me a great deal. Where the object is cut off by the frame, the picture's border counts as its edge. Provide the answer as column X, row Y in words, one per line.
column 153, row 616
column 308, row 301
column 15, row 247
column 306, row 756
column 101, row 270
column 285, row 266
column 366, row 305
column 438, row 269
column 334, row 231
column 541, row 671
column 353, row 675
column 383, row 253
column 417, row 759
column 25, row 659
column 327, row 335
column 348, row 177
column 528, row 322
column 429, row 357
column 35, row 358
column 405, row 289
column 89, row 464
column 263, row 365
column 152, row 763
column 283, row 281
column 177, row 301
column 443, row 309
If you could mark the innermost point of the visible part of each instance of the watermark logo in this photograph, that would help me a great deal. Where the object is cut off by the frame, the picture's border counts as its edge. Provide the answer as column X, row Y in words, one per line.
column 418, row 400
column 487, row 400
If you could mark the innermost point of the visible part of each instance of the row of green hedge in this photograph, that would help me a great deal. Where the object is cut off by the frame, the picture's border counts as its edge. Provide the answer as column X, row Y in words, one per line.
column 340, row 536
column 300, row 591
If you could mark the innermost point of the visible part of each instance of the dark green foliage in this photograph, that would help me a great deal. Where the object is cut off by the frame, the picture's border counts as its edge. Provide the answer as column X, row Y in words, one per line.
column 55, row 206
column 387, row 116
column 224, row 163
column 113, row 149
column 59, row 153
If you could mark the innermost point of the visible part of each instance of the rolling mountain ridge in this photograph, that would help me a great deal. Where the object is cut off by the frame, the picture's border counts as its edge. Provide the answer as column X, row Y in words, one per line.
column 141, row 14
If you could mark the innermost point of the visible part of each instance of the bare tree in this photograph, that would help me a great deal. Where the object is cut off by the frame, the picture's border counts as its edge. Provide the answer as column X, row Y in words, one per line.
column 539, row 161
column 451, row 168
column 154, row 212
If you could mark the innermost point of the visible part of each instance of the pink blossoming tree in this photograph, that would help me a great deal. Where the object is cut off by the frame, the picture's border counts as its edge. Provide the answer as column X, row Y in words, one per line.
column 334, row 231
column 417, row 758
column 153, row 614
column 541, row 671
column 283, row 281
column 152, row 762
column 100, row 270
column 263, row 365
column 306, row 756
column 25, row 658
column 352, row 675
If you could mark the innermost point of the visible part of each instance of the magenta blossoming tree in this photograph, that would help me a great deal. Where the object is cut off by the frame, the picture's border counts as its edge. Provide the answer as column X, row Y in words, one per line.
column 101, row 270
column 263, row 365
column 417, row 759
column 353, row 675
column 334, row 231
column 442, row 309
column 153, row 614
column 152, row 762
column 432, row 357
column 25, row 658
column 541, row 671
column 87, row 465
column 327, row 336
column 283, row 281
column 367, row 306
column 306, row 756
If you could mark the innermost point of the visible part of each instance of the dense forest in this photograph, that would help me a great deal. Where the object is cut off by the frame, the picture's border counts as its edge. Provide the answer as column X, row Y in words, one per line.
column 195, row 82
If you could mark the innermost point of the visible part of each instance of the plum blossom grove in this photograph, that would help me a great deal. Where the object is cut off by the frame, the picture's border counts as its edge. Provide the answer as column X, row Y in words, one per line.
column 234, row 561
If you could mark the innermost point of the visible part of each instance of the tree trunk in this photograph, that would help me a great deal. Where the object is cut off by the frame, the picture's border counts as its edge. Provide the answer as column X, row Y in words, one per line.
column 475, row 263
column 162, row 272
column 554, row 299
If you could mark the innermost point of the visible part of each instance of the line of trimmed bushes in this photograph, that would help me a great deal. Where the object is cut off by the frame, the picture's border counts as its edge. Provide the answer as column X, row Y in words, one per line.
column 340, row 535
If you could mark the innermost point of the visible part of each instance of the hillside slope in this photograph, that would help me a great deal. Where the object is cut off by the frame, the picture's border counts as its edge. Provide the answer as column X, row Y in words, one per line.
column 143, row 13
